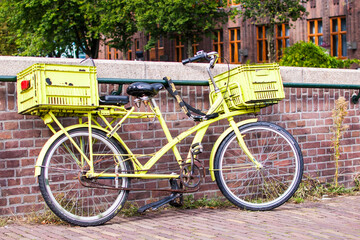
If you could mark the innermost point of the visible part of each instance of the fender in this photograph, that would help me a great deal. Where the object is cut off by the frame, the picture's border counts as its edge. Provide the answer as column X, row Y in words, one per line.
column 43, row 151
column 218, row 142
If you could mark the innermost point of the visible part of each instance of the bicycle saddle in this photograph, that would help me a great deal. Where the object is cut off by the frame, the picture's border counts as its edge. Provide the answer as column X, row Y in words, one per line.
column 114, row 100
column 141, row 89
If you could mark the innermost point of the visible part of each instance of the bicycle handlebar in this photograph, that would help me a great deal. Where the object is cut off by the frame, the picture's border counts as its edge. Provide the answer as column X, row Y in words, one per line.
column 212, row 57
column 200, row 55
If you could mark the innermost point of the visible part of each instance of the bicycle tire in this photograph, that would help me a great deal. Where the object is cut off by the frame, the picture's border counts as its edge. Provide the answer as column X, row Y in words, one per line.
column 60, row 185
column 265, row 188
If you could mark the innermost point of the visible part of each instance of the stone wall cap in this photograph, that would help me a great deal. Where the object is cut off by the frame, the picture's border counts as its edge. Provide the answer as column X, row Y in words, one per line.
column 11, row 65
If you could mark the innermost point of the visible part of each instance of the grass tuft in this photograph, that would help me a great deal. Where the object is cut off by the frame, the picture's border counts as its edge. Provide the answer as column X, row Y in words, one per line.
column 217, row 202
column 46, row 216
column 313, row 190
column 130, row 210
column 5, row 221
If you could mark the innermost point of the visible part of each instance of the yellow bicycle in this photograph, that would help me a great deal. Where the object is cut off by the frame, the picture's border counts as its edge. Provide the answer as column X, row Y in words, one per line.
column 85, row 170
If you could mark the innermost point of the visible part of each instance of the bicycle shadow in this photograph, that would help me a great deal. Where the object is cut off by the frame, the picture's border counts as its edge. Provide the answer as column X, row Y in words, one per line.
column 177, row 213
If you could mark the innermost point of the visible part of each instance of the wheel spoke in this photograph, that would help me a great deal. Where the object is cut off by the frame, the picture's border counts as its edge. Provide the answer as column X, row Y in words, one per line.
column 259, row 188
column 60, row 183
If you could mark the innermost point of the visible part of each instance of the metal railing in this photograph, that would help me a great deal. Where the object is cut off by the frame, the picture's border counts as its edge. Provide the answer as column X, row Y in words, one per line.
column 120, row 81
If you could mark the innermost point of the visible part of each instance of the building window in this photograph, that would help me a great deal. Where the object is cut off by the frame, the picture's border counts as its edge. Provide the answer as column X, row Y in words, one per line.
column 137, row 45
column 312, row 3
column 261, row 43
column 315, row 32
column 338, row 37
column 195, row 46
column 129, row 54
column 179, row 49
column 161, row 43
column 282, row 38
column 152, row 51
column 218, row 45
column 161, row 47
column 235, row 45
column 108, row 52
column 158, row 50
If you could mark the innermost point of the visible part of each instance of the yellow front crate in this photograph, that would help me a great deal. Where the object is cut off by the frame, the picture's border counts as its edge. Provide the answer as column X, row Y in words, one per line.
column 64, row 88
column 249, row 86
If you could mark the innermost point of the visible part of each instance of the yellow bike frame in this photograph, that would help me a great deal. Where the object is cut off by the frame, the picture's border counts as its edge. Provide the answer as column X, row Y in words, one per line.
column 122, row 114
column 141, row 170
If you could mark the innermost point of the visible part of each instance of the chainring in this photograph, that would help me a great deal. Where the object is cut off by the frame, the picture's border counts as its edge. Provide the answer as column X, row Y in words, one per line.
column 190, row 175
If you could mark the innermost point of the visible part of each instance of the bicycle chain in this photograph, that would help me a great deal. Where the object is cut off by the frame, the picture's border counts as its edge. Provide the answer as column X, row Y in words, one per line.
column 104, row 186
column 187, row 188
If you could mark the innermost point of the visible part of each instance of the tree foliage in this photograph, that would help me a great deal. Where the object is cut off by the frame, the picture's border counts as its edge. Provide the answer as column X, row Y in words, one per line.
column 7, row 45
column 119, row 24
column 270, row 13
column 55, row 27
column 190, row 20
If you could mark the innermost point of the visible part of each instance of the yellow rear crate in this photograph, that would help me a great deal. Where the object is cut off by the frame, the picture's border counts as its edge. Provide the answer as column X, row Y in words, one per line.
column 249, row 86
column 64, row 88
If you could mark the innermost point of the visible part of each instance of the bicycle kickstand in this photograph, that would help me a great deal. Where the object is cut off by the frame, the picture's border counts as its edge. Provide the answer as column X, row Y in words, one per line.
column 169, row 199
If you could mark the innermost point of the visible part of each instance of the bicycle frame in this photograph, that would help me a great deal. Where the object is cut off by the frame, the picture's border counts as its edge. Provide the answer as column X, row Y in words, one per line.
column 122, row 114
column 141, row 170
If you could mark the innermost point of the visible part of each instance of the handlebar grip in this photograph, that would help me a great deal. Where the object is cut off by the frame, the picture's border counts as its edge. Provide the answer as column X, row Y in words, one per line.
column 194, row 59
column 185, row 61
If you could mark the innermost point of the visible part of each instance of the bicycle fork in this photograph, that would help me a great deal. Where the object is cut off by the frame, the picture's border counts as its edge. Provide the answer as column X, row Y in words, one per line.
column 242, row 144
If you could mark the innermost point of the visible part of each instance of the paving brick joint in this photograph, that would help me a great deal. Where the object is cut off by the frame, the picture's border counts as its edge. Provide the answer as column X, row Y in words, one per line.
column 336, row 218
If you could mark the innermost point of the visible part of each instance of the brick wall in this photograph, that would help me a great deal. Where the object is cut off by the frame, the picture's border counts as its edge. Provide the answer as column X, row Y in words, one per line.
column 306, row 113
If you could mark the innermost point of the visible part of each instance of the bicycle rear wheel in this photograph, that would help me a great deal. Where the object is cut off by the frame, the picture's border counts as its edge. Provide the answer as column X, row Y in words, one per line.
column 262, row 188
column 72, row 196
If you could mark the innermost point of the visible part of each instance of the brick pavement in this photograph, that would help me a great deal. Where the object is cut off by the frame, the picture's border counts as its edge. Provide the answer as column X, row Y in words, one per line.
column 337, row 218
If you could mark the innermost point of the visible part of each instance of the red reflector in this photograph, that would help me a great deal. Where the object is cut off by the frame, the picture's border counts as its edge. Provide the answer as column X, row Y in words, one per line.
column 25, row 84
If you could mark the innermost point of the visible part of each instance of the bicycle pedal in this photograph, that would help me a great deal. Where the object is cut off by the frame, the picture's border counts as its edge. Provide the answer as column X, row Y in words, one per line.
column 196, row 148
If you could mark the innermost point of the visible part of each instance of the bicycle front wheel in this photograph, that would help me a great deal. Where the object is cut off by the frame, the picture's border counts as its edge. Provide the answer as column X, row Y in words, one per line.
column 71, row 195
column 259, row 188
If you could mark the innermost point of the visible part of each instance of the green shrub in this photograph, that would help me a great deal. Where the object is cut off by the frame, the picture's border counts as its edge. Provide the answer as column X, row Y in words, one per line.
column 307, row 54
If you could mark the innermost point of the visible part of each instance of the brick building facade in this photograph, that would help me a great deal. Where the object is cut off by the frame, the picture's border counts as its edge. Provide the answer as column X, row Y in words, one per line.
column 330, row 23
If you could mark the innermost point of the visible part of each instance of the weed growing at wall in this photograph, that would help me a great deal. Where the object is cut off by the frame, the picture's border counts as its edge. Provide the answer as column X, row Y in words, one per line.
column 130, row 210
column 45, row 216
column 338, row 114
column 309, row 188
column 4, row 221
column 191, row 203
column 312, row 189
column 357, row 182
